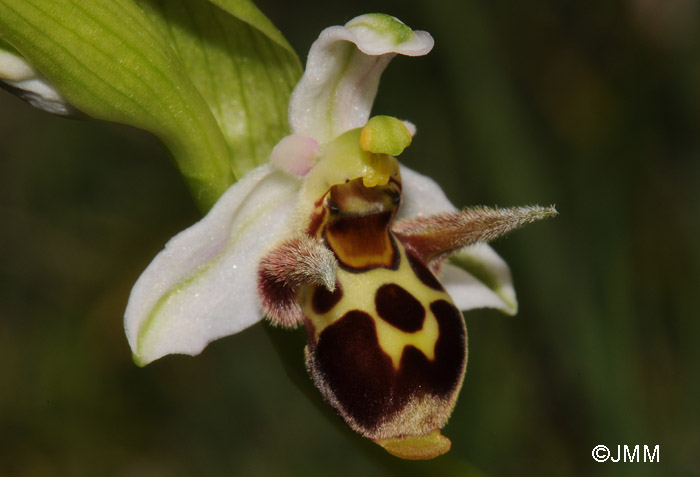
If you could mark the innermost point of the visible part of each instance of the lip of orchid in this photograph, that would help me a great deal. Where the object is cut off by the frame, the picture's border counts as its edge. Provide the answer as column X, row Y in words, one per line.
column 386, row 344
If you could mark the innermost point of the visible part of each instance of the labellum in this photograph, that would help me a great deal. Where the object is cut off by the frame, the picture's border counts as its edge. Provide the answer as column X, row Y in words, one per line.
column 387, row 347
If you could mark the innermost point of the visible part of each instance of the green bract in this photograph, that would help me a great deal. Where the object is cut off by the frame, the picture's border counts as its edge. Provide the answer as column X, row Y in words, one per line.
column 210, row 79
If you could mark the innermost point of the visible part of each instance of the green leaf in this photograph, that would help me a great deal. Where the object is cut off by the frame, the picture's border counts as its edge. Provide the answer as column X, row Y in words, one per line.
column 212, row 87
column 244, row 76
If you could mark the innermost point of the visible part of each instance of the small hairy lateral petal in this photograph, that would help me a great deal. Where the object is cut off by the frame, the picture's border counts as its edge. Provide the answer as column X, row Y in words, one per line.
column 296, row 262
column 438, row 235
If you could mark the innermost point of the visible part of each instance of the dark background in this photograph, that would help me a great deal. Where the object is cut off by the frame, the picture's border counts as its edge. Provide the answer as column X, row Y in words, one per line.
column 593, row 106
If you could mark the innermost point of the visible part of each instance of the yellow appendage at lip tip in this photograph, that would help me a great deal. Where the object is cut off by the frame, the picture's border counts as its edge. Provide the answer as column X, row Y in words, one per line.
column 428, row 446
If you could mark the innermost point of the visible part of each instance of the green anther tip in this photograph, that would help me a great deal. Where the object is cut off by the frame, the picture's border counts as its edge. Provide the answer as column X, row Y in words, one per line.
column 386, row 25
column 385, row 135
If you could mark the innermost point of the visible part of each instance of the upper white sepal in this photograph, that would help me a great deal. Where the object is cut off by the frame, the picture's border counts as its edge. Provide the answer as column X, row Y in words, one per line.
column 342, row 74
column 378, row 34
column 202, row 286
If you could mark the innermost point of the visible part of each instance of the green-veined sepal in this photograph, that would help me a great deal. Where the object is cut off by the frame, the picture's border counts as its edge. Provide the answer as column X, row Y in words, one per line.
column 202, row 286
column 343, row 70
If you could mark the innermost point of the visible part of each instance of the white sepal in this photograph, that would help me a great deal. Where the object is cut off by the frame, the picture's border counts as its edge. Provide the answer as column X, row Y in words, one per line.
column 476, row 276
column 421, row 196
column 32, row 86
column 202, row 286
column 340, row 82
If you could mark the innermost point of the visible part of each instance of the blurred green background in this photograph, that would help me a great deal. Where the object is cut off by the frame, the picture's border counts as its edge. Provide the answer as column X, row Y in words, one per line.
column 593, row 106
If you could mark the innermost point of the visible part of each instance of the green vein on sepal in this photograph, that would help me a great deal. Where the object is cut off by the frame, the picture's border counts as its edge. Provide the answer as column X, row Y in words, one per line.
column 155, row 317
column 486, row 275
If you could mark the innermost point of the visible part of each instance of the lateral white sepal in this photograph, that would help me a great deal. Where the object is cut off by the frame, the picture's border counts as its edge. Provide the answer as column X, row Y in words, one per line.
column 202, row 286
column 476, row 276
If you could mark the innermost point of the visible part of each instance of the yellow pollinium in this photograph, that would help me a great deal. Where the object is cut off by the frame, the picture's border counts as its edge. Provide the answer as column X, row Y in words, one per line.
column 422, row 447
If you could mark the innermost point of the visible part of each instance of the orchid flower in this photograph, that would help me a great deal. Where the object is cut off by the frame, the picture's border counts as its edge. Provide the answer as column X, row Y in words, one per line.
column 317, row 237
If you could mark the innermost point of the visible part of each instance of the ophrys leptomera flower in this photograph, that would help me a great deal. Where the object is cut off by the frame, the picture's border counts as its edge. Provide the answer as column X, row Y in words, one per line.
column 334, row 234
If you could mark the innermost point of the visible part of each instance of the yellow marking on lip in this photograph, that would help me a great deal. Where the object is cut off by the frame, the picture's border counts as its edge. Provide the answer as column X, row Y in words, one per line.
column 393, row 340
column 359, row 290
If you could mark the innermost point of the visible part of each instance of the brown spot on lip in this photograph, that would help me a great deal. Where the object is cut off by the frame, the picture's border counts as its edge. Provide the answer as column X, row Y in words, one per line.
column 310, row 331
column 358, row 378
column 450, row 349
column 399, row 308
column 323, row 300
column 423, row 273
column 353, row 368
